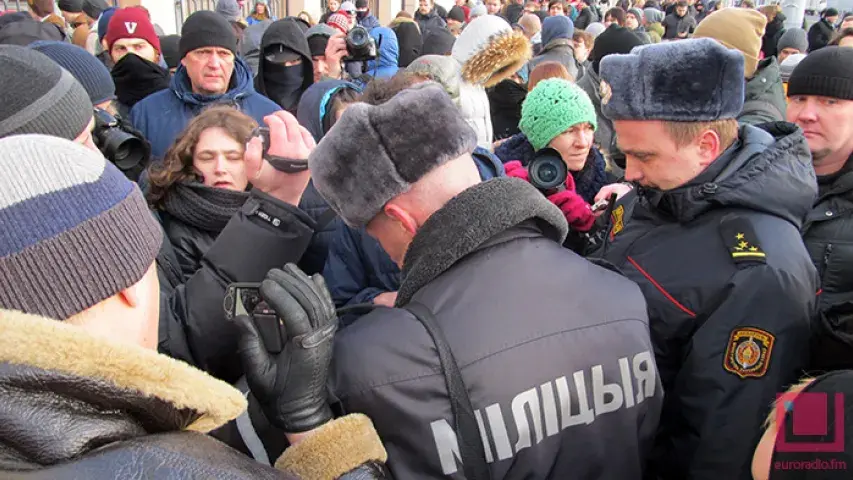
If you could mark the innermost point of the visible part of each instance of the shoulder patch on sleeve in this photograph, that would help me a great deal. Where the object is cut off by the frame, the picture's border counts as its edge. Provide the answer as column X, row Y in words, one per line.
column 741, row 240
column 748, row 352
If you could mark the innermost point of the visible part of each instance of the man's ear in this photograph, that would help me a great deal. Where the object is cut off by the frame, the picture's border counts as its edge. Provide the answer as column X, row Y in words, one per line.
column 131, row 296
column 407, row 221
column 184, row 61
column 708, row 147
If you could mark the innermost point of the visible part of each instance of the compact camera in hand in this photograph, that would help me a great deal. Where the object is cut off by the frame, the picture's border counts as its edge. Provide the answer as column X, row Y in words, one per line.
column 361, row 47
column 245, row 299
column 281, row 164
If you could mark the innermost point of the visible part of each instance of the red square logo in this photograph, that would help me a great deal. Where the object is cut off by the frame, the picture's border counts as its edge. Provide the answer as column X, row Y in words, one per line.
column 810, row 411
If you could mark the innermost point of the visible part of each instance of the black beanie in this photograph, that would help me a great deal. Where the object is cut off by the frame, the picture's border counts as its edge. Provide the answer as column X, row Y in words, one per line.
column 614, row 40
column 71, row 6
column 207, row 29
column 827, row 72
column 94, row 8
column 826, row 399
column 457, row 14
column 170, row 48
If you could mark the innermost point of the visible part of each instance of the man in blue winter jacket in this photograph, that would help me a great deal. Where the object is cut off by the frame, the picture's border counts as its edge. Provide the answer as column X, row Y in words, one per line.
column 210, row 73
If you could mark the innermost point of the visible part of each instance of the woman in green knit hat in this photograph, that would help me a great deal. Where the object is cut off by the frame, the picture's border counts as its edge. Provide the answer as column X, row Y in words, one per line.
column 559, row 114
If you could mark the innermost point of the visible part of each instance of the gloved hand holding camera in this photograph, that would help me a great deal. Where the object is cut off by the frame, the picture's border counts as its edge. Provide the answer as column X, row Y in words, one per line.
column 291, row 385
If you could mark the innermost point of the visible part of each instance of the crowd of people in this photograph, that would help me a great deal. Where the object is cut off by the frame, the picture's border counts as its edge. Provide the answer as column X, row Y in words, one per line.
column 505, row 240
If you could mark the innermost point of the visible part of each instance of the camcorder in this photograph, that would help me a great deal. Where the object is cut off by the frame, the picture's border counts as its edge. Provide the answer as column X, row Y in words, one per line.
column 281, row 164
column 122, row 146
column 245, row 299
column 361, row 47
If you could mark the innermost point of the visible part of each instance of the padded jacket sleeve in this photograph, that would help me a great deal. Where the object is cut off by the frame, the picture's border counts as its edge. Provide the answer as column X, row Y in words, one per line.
column 719, row 404
column 346, row 273
column 265, row 234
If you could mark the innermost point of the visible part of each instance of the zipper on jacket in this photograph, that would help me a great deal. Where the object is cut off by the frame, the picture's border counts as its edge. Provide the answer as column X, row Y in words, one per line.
column 825, row 262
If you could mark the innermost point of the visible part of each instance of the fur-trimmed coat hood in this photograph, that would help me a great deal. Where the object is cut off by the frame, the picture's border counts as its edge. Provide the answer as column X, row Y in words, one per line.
column 79, row 406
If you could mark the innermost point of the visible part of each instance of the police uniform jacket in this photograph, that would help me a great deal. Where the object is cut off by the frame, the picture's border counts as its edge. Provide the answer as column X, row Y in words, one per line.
column 731, row 295
column 562, row 378
column 829, row 238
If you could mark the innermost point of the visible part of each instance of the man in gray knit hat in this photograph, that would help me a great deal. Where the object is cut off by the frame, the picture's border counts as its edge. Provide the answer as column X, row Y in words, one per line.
column 516, row 308
column 791, row 42
column 39, row 96
column 712, row 238
column 84, row 387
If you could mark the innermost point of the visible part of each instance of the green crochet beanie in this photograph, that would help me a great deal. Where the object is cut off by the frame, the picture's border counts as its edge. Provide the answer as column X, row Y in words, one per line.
column 553, row 107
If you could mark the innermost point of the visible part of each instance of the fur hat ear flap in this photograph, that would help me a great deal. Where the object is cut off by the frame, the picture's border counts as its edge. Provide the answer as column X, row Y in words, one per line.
column 503, row 55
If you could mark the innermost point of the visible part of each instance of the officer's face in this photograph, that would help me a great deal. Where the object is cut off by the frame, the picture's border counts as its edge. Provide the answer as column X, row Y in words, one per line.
column 654, row 160
column 827, row 124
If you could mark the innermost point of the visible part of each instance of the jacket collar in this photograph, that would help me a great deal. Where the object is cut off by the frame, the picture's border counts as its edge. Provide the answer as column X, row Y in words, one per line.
column 65, row 374
column 470, row 220
column 239, row 88
column 768, row 170
column 558, row 42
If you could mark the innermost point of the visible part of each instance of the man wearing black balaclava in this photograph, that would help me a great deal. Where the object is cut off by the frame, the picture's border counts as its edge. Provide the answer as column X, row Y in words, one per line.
column 134, row 49
column 285, row 69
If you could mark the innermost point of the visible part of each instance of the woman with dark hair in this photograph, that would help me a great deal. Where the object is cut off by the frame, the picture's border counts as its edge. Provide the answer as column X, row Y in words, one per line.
column 201, row 183
column 614, row 15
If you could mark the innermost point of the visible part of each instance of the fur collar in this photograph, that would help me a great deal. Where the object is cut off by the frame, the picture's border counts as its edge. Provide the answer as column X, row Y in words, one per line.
column 503, row 55
column 468, row 221
column 51, row 345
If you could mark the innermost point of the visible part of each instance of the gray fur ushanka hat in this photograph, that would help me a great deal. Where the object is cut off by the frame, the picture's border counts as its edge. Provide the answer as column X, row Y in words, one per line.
column 375, row 153
column 695, row 80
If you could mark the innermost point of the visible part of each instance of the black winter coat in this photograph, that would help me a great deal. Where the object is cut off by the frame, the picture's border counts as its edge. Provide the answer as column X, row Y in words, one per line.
column 76, row 406
column 820, row 34
column 772, row 32
column 828, row 234
column 731, row 296
column 584, row 18
column 193, row 327
column 505, row 100
column 674, row 25
column 533, row 327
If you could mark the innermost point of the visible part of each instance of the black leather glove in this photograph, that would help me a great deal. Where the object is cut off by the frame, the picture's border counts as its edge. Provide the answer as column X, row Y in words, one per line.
column 291, row 386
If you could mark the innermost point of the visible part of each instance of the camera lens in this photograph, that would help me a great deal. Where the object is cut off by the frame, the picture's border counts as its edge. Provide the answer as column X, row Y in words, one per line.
column 358, row 37
column 547, row 170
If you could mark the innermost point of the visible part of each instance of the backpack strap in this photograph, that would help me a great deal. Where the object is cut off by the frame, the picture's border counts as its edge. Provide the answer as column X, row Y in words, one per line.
column 467, row 430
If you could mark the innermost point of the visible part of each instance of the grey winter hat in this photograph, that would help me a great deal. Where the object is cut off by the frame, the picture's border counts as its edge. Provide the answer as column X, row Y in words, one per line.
column 376, row 153
column 441, row 69
column 653, row 15
column 94, row 8
column 695, row 80
column 39, row 96
column 229, row 9
column 793, row 38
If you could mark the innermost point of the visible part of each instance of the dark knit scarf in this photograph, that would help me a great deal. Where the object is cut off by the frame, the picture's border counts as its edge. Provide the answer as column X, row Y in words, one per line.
column 203, row 207
column 135, row 78
column 588, row 181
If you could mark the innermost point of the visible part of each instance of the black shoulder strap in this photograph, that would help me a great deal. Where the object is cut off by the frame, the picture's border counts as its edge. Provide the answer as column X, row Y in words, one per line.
column 467, row 431
column 325, row 218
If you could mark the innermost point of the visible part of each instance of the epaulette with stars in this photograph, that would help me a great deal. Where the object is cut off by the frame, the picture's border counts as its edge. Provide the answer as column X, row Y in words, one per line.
column 741, row 240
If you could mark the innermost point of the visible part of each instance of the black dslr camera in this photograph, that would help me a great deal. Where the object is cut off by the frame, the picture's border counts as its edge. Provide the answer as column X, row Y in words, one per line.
column 124, row 148
column 547, row 171
column 360, row 45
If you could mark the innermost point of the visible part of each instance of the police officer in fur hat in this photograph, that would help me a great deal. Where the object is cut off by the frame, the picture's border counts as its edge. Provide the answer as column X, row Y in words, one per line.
column 711, row 235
